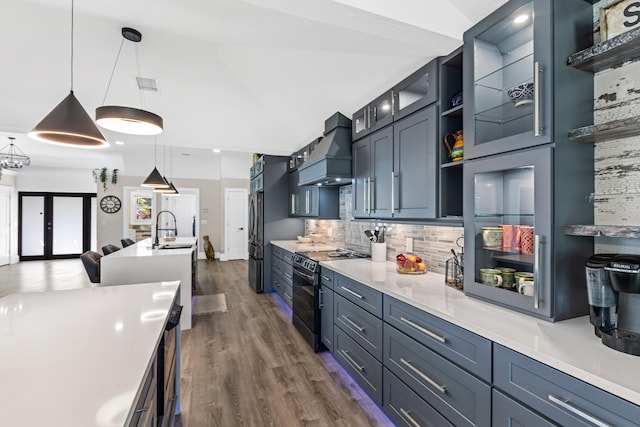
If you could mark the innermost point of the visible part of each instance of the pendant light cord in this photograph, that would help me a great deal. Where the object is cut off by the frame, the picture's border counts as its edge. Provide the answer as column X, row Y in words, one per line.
column 113, row 71
column 142, row 103
column 71, row 46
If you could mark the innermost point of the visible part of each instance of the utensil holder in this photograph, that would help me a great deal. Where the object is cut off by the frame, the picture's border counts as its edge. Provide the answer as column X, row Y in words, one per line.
column 453, row 274
column 378, row 252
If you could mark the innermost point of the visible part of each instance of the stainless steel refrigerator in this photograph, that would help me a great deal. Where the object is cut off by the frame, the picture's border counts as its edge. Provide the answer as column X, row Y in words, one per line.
column 268, row 217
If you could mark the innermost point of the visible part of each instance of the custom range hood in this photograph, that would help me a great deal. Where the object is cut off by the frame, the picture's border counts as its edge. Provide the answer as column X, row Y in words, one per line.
column 330, row 161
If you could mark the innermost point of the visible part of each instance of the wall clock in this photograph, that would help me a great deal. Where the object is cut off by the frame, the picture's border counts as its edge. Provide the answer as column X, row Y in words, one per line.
column 110, row 204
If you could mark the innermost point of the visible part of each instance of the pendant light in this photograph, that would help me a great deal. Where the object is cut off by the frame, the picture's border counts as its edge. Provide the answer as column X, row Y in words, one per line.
column 13, row 157
column 129, row 120
column 69, row 123
column 155, row 180
column 173, row 191
column 170, row 190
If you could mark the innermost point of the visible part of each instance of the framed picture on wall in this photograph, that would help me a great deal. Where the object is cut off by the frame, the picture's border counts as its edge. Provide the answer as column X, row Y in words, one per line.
column 141, row 210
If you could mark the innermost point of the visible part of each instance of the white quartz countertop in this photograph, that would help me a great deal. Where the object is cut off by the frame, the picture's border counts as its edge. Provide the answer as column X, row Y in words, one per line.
column 295, row 246
column 569, row 346
column 143, row 248
column 77, row 358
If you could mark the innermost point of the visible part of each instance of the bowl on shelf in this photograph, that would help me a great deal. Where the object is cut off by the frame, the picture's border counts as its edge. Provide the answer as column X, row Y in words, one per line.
column 521, row 94
column 304, row 239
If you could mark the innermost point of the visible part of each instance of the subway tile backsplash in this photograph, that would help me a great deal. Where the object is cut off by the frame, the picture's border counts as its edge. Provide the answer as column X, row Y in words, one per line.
column 432, row 243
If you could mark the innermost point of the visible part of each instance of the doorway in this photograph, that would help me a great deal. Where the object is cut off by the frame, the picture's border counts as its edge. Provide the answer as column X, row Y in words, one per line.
column 236, row 235
column 5, row 225
column 55, row 225
column 185, row 208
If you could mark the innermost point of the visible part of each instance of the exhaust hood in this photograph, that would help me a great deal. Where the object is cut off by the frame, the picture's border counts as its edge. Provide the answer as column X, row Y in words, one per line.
column 330, row 162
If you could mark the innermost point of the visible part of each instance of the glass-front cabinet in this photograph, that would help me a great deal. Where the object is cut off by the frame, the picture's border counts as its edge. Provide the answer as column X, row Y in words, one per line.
column 509, row 210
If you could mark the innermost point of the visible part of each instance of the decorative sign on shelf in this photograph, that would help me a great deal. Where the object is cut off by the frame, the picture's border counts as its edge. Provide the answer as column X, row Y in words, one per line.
column 619, row 17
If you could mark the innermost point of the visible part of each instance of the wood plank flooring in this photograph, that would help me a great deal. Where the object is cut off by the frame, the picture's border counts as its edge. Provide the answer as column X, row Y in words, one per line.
column 245, row 367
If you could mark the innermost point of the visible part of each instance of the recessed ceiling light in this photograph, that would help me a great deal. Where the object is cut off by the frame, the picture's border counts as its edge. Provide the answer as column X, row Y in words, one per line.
column 216, row 150
column 118, row 142
column 521, row 18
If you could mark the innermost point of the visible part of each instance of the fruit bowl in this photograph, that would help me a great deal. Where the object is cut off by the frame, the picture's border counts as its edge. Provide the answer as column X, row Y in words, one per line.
column 521, row 94
column 410, row 264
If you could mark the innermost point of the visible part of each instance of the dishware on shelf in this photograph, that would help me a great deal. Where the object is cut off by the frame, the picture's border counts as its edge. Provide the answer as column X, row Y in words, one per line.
column 526, row 239
column 526, row 288
column 491, row 277
column 492, row 237
column 521, row 94
column 521, row 277
column 508, row 276
column 456, row 149
column 456, row 99
column 509, row 238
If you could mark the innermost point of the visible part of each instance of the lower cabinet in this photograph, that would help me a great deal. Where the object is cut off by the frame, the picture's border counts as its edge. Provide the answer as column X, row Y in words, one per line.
column 405, row 407
column 282, row 273
column 144, row 412
column 508, row 413
column 326, row 316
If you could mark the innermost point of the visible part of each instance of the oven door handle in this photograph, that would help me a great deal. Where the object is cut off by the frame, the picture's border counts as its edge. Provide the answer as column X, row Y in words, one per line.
column 307, row 277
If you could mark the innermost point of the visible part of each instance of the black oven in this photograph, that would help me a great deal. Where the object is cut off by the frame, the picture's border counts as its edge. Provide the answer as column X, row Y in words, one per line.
column 306, row 310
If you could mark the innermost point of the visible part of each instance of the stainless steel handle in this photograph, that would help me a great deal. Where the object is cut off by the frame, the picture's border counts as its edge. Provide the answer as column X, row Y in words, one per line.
column 369, row 195
column 364, row 194
column 393, row 103
column 287, row 296
column 293, row 203
column 141, row 410
column 536, row 99
column 352, row 323
column 306, row 201
column 351, row 292
column 442, row 389
column 327, row 278
column 406, row 416
column 351, row 361
column 368, row 117
column 320, row 299
column 566, row 405
column 309, row 278
column 424, row 331
column 393, row 195
column 287, row 275
column 536, row 271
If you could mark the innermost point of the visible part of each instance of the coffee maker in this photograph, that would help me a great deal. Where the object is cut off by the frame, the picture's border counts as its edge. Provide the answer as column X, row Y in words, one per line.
column 602, row 299
column 624, row 275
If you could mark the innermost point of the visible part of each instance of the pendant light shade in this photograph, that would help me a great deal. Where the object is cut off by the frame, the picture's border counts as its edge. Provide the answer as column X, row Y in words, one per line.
column 155, row 180
column 129, row 120
column 69, row 124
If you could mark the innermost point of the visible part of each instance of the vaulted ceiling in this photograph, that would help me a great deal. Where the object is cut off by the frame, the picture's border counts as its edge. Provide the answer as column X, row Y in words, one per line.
column 238, row 75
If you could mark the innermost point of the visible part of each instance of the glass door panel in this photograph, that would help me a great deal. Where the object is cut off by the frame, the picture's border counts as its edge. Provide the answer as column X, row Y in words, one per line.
column 67, row 225
column 32, row 226
column 382, row 111
column 503, row 77
column 5, row 226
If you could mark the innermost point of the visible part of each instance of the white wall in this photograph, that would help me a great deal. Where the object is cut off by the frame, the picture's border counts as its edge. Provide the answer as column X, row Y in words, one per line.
column 55, row 180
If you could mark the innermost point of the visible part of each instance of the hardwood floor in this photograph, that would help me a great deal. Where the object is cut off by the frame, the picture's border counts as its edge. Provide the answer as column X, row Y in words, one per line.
column 244, row 367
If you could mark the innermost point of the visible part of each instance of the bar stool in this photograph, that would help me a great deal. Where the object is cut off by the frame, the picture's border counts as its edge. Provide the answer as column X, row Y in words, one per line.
column 107, row 249
column 126, row 242
column 91, row 262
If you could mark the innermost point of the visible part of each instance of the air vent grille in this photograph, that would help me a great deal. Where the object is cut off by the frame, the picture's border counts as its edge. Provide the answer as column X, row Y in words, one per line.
column 147, row 83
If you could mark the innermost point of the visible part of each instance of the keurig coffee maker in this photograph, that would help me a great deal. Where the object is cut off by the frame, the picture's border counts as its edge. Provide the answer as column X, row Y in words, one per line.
column 601, row 296
column 624, row 273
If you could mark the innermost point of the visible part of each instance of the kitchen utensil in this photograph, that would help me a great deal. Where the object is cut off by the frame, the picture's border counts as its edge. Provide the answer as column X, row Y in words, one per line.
column 456, row 151
column 381, row 239
column 453, row 275
column 369, row 235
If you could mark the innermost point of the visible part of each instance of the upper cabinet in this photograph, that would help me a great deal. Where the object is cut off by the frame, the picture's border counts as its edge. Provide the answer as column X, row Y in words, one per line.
column 413, row 93
column 313, row 201
column 514, row 78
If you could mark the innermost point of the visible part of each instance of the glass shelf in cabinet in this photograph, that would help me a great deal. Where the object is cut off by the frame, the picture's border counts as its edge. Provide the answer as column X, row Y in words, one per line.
column 495, row 74
column 505, row 113
column 489, row 215
column 453, row 112
column 523, row 259
column 451, row 164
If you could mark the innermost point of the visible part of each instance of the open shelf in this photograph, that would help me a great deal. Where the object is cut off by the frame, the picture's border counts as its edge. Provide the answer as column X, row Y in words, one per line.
column 453, row 112
column 452, row 164
column 628, row 232
column 612, row 130
column 622, row 48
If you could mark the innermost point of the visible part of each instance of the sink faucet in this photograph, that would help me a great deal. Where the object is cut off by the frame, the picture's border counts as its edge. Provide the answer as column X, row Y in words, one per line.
column 175, row 227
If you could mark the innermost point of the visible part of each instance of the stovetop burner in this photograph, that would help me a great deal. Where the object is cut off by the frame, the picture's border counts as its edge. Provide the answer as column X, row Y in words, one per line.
column 339, row 253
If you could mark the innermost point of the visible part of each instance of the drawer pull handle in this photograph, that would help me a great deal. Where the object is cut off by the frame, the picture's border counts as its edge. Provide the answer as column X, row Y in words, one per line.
column 287, row 296
column 141, row 410
column 327, row 278
column 355, row 294
column 424, row 331
column 352, row 323
column 288, row 276
column 406, row 416
column 566, row 405
column 351, row 361
column 442, row 389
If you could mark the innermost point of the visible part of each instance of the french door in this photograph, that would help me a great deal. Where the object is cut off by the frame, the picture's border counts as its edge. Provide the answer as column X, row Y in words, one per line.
column 55, row 225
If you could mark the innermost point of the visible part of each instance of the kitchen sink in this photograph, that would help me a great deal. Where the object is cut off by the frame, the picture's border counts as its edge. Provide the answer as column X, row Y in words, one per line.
column 175, row 246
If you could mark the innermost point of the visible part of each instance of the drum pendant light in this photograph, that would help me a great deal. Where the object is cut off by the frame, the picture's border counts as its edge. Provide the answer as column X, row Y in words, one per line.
column 69, row 123
column 129, row 120
column 155, row 180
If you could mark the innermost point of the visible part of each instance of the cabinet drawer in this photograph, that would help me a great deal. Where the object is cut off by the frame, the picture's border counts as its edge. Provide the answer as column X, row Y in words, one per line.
column 360, row 294
column 287, row 257
column 276, row 251
column 459, row 396
column 145, row 405
column 287, row 294
column 362, row 366
column 405, row 407
column 561, row 397
column 507, row 413
column 326, row 277
column 359, row 324
column 277, row 266
column 465, row 348
column 287, row 274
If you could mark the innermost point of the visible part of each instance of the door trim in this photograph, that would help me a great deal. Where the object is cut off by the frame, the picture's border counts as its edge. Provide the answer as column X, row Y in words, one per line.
column 227, row 191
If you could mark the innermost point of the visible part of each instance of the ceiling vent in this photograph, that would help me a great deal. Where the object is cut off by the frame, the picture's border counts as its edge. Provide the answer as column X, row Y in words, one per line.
column 148, row 84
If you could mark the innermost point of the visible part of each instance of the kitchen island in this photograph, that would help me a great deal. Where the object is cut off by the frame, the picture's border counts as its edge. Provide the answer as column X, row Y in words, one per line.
column 569, row 346
column 84, row 357
column 140, row 263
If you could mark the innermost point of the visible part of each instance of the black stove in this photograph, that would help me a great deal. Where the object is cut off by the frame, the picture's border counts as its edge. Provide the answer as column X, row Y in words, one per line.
column 309, row 260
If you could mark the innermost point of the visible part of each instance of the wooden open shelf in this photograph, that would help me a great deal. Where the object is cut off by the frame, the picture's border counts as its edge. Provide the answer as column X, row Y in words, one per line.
column 612, row 130
column 609, row 53
column 628, row 232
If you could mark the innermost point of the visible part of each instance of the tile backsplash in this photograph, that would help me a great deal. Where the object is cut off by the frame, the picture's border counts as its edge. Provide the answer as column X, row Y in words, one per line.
column 432, row 243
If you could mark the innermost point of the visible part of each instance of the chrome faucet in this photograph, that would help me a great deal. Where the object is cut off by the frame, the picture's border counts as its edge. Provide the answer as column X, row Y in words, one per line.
column 175, row 227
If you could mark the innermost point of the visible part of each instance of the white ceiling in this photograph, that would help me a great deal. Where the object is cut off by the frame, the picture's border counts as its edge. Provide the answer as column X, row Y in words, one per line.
column 239, row 75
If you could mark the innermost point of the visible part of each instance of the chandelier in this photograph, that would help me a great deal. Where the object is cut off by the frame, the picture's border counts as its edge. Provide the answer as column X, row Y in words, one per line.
column 11, row 157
